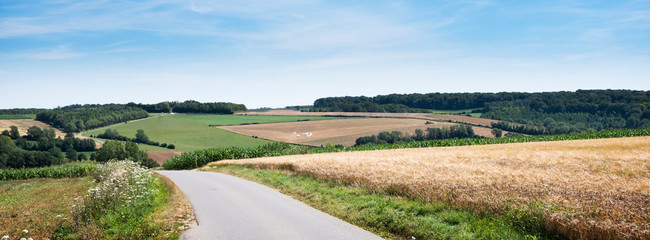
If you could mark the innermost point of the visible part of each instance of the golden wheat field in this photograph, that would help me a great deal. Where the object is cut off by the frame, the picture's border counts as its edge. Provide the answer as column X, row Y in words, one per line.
column 587, row 189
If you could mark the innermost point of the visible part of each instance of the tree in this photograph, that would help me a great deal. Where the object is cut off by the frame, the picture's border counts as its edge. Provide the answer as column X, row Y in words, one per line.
column 71, row 154
column 34, row 133
column 140, row 137
column 111, row 150
column 5, row 133
column 419, row 135
column 497, row 132
column 6, row 145
column 13, row 133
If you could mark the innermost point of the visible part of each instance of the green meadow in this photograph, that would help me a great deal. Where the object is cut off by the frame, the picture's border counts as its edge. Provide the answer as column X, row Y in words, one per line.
column 190, row 132
column 459, row 111
column 17, row 116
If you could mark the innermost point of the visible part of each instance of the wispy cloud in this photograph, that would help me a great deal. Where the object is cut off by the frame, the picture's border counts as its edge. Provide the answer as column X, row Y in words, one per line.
column 60, row 52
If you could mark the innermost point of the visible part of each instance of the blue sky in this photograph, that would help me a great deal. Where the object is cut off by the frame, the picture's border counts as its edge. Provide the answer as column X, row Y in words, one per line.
column 290, row 52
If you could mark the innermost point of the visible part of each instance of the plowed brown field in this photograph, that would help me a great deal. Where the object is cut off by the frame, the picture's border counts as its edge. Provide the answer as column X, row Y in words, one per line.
column 586, row 189
column 339, row 131
column 162, row 156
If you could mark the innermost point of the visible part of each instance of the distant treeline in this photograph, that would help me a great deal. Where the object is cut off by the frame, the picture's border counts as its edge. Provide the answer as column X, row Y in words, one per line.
column 212, row 107
column 75, row 118
column 556, row 112
column 40, row 148
column 455, row 131
column 21, row 111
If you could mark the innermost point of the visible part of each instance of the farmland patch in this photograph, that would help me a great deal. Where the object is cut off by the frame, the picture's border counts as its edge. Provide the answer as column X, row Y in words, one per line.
column 341, row 131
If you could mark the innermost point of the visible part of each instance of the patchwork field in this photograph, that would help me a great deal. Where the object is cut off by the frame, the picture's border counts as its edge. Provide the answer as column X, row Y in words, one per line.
column 341, row 131
column 192, row 131
column 427, row 116
column 583, row 189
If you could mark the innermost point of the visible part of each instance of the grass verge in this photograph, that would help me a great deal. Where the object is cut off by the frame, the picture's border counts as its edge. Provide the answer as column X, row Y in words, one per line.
column 388, row 215
column 126, row 202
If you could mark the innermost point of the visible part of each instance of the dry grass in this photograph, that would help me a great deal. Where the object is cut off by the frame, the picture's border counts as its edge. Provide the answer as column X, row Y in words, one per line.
column 178, row 212
column 458, row 118
column 24, row 124
column 38, row 205
column 339, row 131
column 587, row 189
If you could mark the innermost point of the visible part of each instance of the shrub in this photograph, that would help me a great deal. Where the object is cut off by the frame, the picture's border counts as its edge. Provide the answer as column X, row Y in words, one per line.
column 119, row 204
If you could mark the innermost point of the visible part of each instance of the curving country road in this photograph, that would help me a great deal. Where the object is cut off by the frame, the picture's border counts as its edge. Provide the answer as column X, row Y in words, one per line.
column 228, row 207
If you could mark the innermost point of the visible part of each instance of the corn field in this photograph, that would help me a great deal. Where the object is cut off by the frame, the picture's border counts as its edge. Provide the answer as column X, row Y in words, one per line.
column 71, row 170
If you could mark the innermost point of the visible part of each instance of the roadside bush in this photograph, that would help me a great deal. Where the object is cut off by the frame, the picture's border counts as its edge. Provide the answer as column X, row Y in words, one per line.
column 117, row 207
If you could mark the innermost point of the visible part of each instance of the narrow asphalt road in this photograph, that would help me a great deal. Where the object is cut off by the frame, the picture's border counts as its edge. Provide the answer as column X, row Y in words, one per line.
column 228, row 207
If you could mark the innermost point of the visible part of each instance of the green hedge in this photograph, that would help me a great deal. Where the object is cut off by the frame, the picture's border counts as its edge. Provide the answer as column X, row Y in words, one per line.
column 71, row 170
column 200, row 158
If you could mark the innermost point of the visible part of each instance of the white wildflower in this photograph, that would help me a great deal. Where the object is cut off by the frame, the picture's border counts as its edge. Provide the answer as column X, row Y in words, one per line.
column 25, row 231
column 5, row 237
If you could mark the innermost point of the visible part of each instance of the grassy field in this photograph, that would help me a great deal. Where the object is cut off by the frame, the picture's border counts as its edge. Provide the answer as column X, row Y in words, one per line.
column 581, row 189
column 191, row 131
column 387, row 215
column 18, row 116
column 459, row 111
column 38, row 205
column 225, row 120
column 185, row 134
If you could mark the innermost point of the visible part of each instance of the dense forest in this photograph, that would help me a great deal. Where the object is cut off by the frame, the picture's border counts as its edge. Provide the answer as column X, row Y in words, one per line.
column 75, row 118
column 210, row 107
column 555, row 112
column 191, row 106
column 40, row 148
